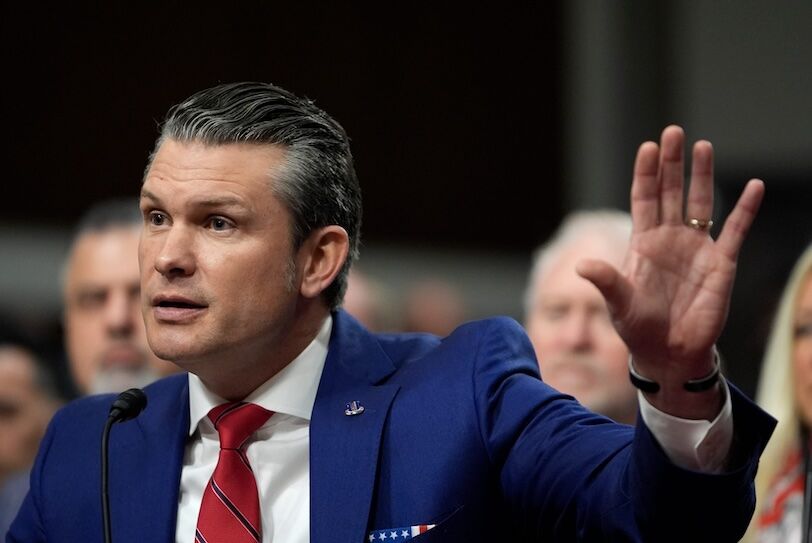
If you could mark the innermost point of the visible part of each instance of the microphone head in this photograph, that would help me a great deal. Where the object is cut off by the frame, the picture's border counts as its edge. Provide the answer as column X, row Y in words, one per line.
column 128, row 404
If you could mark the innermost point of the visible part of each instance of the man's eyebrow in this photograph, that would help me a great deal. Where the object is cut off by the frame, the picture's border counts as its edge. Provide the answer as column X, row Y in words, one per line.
column 147, row 194
column 219, row 201
column 83, row 288
column 214, row 201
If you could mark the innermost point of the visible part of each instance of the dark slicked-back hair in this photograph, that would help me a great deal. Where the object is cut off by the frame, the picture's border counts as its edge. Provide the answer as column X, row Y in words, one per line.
column 318, row 183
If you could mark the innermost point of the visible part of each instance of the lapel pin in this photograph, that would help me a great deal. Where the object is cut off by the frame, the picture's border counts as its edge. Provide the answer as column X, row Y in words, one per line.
column 354, row 408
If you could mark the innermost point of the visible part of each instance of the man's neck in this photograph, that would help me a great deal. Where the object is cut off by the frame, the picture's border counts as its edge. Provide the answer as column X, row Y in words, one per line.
column 233, row 380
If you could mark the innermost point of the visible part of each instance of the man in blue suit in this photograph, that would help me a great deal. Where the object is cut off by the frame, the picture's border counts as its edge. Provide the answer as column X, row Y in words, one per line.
column 296, row 424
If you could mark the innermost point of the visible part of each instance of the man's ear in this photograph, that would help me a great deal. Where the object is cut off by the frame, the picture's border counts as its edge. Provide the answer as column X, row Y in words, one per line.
column 321, row 257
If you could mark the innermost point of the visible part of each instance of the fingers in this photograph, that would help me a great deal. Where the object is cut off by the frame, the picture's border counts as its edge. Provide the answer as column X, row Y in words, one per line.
column 672, row 174
column 615, row 289
column 700, row 193
column 657, row 198
column 740, row 219
column 657, row 186
column 645, row 197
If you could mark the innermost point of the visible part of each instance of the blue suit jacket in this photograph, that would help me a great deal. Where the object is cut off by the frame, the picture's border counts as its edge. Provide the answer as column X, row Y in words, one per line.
column 458, row 432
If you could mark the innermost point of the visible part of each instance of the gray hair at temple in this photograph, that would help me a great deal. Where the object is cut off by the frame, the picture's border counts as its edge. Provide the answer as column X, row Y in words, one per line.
column 317, row 183
column 612, row 226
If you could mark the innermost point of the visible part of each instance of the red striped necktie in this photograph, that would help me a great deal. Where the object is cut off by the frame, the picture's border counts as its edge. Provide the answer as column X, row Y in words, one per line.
column 230, row 512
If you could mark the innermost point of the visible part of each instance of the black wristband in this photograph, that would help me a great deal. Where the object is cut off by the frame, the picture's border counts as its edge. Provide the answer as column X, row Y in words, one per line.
column 646, row 385
column 694, row 385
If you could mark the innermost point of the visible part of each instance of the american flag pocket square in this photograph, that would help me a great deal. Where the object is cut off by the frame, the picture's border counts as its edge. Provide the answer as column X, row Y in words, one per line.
column 399, row 534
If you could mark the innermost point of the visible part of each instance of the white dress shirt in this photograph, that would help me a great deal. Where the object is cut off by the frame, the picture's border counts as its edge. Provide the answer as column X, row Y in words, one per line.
column 698, row 445
column 279, row 452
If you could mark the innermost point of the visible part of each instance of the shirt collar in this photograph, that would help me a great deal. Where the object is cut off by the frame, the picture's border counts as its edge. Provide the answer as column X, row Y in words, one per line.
column 291, row 391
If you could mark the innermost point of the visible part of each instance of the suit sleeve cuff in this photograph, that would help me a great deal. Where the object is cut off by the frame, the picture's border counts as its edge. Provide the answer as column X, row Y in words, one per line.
column 698, row 445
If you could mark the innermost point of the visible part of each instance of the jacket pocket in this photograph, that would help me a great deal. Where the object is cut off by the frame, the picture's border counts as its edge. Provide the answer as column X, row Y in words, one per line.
column 447, row 530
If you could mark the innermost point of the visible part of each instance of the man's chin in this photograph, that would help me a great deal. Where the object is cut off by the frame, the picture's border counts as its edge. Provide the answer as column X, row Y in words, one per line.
column 175, row 348
column 179, row 357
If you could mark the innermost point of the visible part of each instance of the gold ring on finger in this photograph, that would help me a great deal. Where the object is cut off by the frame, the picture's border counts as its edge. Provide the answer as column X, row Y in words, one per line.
column 699, row 224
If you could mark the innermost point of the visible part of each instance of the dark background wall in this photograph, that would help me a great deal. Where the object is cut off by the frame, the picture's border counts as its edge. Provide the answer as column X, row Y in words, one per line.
column 449, row 109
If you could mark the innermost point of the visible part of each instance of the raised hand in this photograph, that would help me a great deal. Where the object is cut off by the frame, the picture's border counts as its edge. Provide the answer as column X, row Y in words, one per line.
column 670, row 300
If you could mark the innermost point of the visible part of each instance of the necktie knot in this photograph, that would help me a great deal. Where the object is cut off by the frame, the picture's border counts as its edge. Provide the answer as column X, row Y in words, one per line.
column 235, row 422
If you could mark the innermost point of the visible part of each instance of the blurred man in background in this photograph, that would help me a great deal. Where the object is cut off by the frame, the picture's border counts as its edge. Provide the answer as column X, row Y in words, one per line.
column 578, row 349
column 435, row 305
column 368, row 300
column 27, row 402
column 104, row 332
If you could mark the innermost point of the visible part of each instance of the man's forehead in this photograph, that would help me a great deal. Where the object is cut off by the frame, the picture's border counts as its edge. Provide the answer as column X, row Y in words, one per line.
column 17, row 362
column 106, row 253
column 573, row 289
column 111, row 239
column 194, row 160
column 559, row 280
column 593, row 246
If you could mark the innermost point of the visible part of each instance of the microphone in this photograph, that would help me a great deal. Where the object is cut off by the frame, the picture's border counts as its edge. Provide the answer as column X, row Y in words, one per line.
column 126, row 406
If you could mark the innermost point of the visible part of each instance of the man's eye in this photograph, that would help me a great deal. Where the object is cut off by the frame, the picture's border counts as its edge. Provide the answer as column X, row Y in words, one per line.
column 554, row 312
column 220, row 224
column 8, row 410
column 91, row 299
column 803, row 330
column 134, row 292
column 156, row 218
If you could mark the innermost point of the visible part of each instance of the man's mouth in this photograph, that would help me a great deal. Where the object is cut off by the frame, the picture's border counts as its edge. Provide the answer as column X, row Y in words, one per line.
column 175, row 300
column 176, row 309
column 184, row 305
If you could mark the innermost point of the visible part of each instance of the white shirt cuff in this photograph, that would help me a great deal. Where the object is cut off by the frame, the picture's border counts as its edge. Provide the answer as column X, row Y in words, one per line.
column 697, row 445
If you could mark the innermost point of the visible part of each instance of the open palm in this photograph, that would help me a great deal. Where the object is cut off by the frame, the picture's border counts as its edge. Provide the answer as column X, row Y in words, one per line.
column 669, row 302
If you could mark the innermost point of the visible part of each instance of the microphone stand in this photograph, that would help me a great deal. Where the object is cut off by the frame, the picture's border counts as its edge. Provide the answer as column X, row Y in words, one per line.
column 126, row 406
column 108, row 538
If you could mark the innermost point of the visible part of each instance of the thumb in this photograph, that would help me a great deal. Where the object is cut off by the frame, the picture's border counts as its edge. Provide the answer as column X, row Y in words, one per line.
column 616, row 290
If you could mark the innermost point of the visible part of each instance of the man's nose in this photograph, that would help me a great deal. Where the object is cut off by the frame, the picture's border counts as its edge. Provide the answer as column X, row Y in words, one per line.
column 120, row 312
column 175, row 257
column 576, row 333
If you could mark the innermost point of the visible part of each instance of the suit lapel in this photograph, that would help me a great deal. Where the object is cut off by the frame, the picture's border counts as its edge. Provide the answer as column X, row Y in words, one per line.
column 146, row 455
column 145, row 464
column 344, row 449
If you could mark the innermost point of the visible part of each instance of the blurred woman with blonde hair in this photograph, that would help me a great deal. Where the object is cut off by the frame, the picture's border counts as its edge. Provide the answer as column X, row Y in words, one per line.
column 785, row 391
